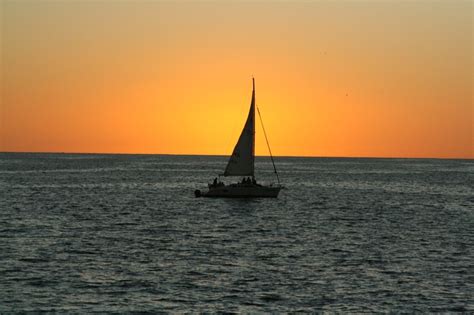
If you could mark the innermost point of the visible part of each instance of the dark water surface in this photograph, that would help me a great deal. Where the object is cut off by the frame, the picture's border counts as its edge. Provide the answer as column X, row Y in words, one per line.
column 120, row 233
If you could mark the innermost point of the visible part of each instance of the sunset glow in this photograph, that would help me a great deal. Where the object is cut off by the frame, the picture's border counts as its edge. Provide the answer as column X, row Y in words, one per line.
column 339, row 78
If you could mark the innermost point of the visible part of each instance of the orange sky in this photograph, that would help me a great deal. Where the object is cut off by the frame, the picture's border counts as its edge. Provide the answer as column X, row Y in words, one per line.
column 335, row 78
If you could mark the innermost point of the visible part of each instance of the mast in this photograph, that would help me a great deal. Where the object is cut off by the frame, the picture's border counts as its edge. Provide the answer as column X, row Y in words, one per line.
column 252, row 108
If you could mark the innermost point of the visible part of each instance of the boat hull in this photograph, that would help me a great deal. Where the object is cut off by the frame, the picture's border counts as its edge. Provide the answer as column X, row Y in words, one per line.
column 238, row 191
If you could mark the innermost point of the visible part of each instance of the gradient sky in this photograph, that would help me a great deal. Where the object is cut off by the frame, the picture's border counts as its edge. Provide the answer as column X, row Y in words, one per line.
column 333, row 78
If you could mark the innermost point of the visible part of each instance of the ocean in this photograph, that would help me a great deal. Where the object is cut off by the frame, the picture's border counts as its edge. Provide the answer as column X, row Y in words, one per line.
column 124, row 233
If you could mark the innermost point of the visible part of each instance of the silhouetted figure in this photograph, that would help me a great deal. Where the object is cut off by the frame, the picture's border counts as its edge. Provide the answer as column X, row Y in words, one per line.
column 214, row 183
column 254, row 181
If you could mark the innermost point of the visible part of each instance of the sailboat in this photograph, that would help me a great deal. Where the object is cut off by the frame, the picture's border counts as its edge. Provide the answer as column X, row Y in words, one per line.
column 241, row 163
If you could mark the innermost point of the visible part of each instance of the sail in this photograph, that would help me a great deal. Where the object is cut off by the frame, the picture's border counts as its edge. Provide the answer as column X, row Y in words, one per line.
column 241, row 163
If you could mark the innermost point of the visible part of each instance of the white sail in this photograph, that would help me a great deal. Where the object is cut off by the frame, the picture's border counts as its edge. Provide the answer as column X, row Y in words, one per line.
column 241, row 163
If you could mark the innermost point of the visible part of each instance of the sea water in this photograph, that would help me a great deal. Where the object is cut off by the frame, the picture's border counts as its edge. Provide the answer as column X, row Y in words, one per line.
column 124, row 233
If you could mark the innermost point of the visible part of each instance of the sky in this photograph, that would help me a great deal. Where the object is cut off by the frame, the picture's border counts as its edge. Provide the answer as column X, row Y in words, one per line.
column 333, row 78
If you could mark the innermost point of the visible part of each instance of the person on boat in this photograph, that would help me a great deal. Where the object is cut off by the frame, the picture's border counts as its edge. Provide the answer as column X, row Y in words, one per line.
column 254, row 181
column 214, row 183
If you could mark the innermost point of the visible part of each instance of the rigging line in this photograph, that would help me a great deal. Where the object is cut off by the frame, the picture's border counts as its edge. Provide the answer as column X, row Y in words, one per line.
column 268, row 144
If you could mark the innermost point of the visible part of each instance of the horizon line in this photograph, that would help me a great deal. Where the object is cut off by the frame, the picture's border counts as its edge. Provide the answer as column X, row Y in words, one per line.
column 224, row 155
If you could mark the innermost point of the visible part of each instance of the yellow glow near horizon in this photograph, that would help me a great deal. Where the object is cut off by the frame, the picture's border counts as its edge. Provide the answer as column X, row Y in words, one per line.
column 334, row 78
